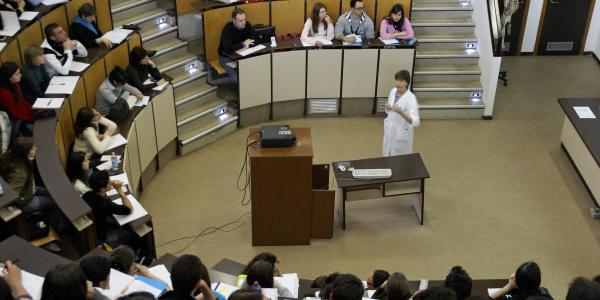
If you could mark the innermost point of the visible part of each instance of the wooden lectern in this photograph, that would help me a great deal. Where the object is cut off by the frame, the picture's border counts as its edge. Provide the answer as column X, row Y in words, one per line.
column 286, row 210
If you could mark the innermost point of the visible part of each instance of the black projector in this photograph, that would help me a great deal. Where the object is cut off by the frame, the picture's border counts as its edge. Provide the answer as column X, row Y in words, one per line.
column 273, row 136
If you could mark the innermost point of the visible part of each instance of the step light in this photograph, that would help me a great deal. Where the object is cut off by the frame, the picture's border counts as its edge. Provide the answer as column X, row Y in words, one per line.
column 475, row 95
column 470, row 46
column 161, row 21
column 192, row 67
column 475, row 100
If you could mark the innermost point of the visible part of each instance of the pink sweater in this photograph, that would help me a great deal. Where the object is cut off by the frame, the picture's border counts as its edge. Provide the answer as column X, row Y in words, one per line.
column 386, row 30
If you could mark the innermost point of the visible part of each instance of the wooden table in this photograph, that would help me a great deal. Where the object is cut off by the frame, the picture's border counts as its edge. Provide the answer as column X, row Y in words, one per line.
column 408, row 178
column 31, row 258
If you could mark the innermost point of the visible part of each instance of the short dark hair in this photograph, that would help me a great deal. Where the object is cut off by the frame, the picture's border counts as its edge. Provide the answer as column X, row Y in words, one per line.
column 237, row 11
column 402, row 75
column 459, row 281
column 136, row 55
column 347, row 287
column 264, row 256
column 117, row 75
column 261, row 272
column 187, row 271
column 397, row 287
column 49, row 29
column 65, row 281
column 596, row 279
column 436, row 293
column 96, row 269
column 326, row 289
column 353, row 2
column 137, row 296
column 583, row 289
column 86, row 10
column 528, row 278
column 245, row 294
column 122, row 257
column 379, row 277
column 98, row 180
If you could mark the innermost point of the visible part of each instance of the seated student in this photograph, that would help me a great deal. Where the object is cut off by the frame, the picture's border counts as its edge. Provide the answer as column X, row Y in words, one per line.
column 13, row 101
column 583, row 289
column 236, row 35
column 5, row 131
column 112, row 89
column 261, row 273
column 435, row 293
column 394, row 288
column 122, row 259
column 67, row 281
column 85, row 29
column 268, row 257
column 247, row 294
column 11, row 283
column 459, row 281
column 59, row 50
column 138, row 296
column 524, row 283
column 97, row 271
column 346, row 287
column 189, row 276
column 396, row 25
column 354, row 23
column 18, row 6
column 87, row 134
column 376, row 279
column 328, row 285
column 140, row 66
column 318, row 26
column 35, row 78
column 78, row 171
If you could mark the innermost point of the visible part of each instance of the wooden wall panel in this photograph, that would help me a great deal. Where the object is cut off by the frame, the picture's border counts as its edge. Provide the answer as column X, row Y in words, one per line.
column 32, row 35
column 58, row 16
column 384, row 6
column 369, row 9
column 287, row 16
column 187, row 6
column 119, row 56
column 11, row 53
column 78, row 98
column 103, row 15
column 214, row 20
column 333, row 8
column 62, row 152
column 256, row 13
column 134, row 41
column 92, row 78
column 66, row 124
column 72, row 7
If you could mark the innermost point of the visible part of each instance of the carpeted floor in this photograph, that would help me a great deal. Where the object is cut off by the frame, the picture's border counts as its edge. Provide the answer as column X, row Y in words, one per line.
column 501, row 192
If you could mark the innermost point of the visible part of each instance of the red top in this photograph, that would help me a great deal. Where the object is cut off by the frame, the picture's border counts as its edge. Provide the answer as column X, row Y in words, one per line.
column 19, row 109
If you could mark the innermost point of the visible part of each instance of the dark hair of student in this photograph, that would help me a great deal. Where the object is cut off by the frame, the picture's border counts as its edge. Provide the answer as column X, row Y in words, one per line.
column 436, row 293
column 583, row 289
column 138, row 296
column 96, row 269
column 347, row 287
column 86, row 10
column 396, row 9
column 97, row 181
column 261, row 272
column 353, row 2
column 237, row 11
column 31, row 52
column 379, row 277
column 122, row 257
column 326, row 290
column 397, row 287
column 459, row 281
column 117, row 75
column 403, row 75
column 186, row 272
column 265, row 256
column 528, row 278
column 318, row 282
column 5, row 292
column 84, row 119
column 315, row 17
column 17, row 153
column 74, row 170
column 7, row 70
column 136, row 55
column 596, row 279
column 245, row 294
column 65, row 281
column 49, row 29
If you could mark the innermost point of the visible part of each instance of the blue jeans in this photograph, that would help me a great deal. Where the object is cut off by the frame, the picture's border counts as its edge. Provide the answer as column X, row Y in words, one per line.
column 232, row 77
column 42, row 202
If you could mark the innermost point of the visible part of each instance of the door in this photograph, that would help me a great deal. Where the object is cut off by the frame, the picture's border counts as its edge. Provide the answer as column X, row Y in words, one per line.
column 563, row 28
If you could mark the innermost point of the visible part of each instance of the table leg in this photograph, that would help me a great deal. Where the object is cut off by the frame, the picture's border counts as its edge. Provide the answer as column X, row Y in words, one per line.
column 344, row 209
column 422, row 200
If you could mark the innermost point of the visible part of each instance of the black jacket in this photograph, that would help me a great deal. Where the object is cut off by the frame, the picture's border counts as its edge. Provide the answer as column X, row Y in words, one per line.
column 84, row 35
column 34, row 82
column 232, row 38
column 103, row 209
column 137, row 74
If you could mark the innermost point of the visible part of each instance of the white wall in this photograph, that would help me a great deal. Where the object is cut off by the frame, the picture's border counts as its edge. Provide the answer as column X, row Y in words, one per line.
column 489, row 65
column 531, row 27
column 593, row 39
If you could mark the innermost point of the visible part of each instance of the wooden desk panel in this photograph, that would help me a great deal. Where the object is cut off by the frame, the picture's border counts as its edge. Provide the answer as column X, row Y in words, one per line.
column 12, row 53
column 333, row 9
column 164, row 117
column 214, row 21
column 325, row 73
column 66, row 124
column 390, row 62
column 73, row 6
column 287, row 16
column 58, row 16
column 93, row 77
column 103, row 15
column 32, row 35
column 256, row 13
column 290, row 80
column 255, row 81
column 31, row 258
column 118, row 56
column 78, row 98
column 360, row 73
column 146, row 136
column 133, row 158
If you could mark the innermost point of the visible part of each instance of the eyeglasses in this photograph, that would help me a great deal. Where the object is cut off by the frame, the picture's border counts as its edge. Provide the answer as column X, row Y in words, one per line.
column 359, row 8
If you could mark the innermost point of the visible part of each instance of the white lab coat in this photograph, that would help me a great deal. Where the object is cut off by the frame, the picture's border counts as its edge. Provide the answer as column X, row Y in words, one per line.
column 397, row 132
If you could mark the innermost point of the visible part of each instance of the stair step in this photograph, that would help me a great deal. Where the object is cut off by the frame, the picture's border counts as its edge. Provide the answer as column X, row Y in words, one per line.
column 181, row 77
column 437, row 103
column 120, row 6
column 165, row 43
column 154, row 31
column 449, row 53
column 439, row 22
column 140, row 17
column 458, row 69
column 447, row 38
column 198, row 109
column 174, row 59
column 444, row 6
column 187, row 146
column 447, row 86
column 202, row 127
column 192, row 91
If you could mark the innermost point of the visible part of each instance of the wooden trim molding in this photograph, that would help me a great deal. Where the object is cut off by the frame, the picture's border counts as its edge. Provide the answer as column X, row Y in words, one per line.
column 540, row 28
column 522, row 30
column 587, row 26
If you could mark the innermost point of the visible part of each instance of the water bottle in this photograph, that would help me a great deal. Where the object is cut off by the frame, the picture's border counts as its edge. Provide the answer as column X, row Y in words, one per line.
column 256, row 286
column 114, row 160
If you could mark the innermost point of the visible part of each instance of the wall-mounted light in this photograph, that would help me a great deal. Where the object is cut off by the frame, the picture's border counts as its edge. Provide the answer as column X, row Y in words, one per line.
column 475, row 95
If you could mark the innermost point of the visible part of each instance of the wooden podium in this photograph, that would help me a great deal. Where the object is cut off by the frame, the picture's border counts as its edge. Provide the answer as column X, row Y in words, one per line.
column 289, row 205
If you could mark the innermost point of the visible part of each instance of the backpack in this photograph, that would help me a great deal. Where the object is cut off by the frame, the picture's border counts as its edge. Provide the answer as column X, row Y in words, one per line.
column 119, row 111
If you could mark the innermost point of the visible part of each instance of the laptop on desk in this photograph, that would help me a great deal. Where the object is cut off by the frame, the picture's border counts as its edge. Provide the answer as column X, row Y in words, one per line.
column 263, row 34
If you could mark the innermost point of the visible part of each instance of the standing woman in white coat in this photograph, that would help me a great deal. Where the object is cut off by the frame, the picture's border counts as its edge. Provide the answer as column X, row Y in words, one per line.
column 402, row 116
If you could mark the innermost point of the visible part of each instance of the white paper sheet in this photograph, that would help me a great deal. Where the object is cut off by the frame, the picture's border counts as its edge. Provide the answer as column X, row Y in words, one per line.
column 140, row 286
column 290, row 281
column 247, row 51
column 121, row 177
column 77, row 66
column 162, row 273
column 137, row 212
column 370, row 293
column 113, row 191
column 390, row 41
column 108, row 157
column 2, row 45
column 53, row 2
column 62, row 85
column 357, row 42
column 493, row 290
column 11, row 23
column 119, row 282
column 131, row 100
column 148, row 81
column 48, row 103
column 32, row 284
column 310, row 41
column 145, row 100
column 28, row 15
column 224, row 288
column 116, row 36
column 160, row 87
column 584, row 112
column 269, row 293
column 116, row 140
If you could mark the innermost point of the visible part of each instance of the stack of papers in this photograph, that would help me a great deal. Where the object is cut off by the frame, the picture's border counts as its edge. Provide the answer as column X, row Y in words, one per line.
column 357, row 42
column 145, row 100
column 121, row 283
column 390, row 41
column 137, row 212
column 62, row 85
column 248, row 51
column 53, row 2
column 28, row 15
column 160, row 87
column 269, row 293
column 116, row 140
column 48, row 103
column 121, row 177
column 290, row 281
column 11, row 23
column 311, row 41
column 116, row 36
column 78, row 66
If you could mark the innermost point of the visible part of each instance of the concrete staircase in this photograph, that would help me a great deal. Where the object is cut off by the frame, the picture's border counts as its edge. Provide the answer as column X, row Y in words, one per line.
column 202, row 117
column 446, row 73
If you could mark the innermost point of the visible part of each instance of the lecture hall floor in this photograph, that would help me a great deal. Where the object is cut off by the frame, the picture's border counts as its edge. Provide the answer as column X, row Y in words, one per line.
column 501, row 192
